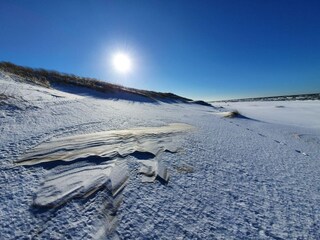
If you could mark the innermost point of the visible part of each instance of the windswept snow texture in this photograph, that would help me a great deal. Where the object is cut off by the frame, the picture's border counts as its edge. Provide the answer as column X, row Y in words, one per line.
column 152, row 170
column 77, row 181
column 239, row 178
column 59, row 187
column 107, row 144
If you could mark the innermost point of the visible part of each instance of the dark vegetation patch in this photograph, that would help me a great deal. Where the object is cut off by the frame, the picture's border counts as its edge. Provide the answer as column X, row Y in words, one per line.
column 233, row 114
column 236, row 114
column 3, row 96
column 200, row 102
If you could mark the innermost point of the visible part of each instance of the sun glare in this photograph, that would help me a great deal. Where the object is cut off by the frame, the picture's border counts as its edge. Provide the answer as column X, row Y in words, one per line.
column 122, row 63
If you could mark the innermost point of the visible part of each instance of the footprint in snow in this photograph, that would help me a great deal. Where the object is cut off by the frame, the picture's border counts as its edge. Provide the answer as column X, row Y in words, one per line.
column 262, row 135
column 303, row 153
column 281, row 143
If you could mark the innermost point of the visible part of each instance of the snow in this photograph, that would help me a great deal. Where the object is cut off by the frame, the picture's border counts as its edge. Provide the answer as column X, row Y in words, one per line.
column 60, row 187
column 106, row 144
column 102, row 148
column 230, row 178
column 296, row 113
column 152, row 170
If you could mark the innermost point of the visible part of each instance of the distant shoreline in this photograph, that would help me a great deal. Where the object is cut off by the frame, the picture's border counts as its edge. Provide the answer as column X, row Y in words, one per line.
column 311, row 96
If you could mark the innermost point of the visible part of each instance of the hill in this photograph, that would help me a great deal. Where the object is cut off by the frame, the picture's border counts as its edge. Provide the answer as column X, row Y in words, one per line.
column 51, row 79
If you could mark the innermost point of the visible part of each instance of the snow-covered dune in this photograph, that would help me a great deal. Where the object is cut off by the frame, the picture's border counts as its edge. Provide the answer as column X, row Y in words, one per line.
column 255, row 177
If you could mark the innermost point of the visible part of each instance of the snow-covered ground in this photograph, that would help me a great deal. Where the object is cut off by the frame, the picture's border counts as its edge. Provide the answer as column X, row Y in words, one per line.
column 241, row 178
column 296, row 113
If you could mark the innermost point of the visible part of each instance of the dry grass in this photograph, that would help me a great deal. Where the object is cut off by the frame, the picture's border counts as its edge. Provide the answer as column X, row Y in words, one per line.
column 46, row 78
column 232, row 114
column 3, row 96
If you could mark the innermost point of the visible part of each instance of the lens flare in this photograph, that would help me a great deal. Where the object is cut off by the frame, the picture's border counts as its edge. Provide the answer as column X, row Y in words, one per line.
column 122, row 63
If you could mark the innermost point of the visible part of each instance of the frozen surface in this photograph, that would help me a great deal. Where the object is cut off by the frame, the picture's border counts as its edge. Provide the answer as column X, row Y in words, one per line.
column 242, row 178
column 296, row 113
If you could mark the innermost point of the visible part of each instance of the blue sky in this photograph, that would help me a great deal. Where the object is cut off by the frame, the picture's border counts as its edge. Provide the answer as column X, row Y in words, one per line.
column 200, row 49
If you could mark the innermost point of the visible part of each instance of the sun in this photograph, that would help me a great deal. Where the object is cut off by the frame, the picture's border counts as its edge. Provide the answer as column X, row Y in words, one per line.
column 122, row 62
